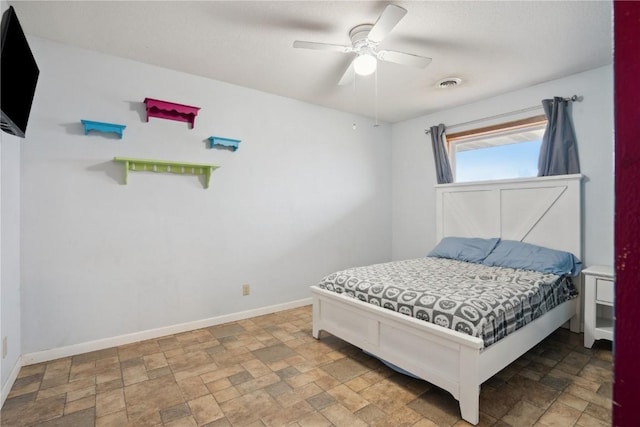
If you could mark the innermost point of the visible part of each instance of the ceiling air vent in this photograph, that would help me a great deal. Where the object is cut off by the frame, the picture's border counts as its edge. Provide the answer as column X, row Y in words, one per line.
column 448, row 82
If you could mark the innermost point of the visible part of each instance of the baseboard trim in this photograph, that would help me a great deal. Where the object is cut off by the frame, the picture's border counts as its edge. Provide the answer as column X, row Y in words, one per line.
column 72, row 350
column 6, row 388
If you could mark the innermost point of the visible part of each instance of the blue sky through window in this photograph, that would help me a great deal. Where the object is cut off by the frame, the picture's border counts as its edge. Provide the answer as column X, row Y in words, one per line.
column 518, row 160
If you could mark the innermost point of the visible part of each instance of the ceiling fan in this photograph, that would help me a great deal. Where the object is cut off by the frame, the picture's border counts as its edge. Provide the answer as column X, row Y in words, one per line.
column 365, row 39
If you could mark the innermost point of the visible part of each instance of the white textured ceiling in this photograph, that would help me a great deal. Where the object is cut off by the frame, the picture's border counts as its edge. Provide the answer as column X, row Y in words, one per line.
column 493, row 46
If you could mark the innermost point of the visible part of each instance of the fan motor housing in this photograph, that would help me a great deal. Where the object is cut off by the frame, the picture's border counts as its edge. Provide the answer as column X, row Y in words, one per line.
column 358, row 34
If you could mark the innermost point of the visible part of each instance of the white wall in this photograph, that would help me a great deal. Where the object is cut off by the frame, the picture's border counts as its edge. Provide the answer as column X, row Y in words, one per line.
column 304, row 195
column 10, row 250
column 413, row 174
column 9, row 255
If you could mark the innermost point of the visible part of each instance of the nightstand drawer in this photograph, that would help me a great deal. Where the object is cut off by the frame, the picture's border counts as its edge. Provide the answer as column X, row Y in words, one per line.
column 604, row 290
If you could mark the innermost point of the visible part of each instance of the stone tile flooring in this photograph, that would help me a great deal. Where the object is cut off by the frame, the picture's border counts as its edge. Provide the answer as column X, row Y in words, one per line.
column 269, row 371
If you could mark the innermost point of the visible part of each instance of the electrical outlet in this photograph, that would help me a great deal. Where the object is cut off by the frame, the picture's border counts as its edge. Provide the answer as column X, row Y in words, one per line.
column 245, row 290
column 5, row 347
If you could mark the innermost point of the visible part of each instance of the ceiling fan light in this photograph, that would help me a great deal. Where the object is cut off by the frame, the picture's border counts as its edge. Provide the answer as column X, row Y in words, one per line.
column 365, row 64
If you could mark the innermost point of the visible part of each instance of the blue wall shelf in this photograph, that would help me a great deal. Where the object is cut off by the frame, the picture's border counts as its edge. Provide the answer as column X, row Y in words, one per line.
column 216, row 141
column 102, row 127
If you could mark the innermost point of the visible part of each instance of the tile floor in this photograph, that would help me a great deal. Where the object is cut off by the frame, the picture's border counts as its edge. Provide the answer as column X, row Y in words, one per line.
column 269, row 371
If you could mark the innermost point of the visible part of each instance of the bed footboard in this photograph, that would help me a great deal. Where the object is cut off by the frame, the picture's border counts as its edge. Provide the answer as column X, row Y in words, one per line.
column 455, row 362
column 442, row 357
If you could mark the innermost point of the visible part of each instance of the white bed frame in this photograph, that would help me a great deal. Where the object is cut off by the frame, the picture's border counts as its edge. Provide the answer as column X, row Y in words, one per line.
column 543, row 211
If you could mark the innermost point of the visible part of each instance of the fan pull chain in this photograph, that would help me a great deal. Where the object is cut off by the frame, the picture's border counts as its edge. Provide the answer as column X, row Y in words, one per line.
column 355, row 93
column 375, row 125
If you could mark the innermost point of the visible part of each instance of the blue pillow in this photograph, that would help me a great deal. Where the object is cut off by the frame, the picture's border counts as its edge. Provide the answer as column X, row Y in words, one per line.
column 514, row 254
column 470, row 249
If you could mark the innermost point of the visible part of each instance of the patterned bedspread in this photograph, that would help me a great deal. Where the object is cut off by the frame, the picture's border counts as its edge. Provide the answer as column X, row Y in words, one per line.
column 482, row 301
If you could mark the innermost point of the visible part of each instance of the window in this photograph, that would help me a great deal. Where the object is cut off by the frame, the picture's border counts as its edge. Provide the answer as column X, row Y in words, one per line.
column 504, row 151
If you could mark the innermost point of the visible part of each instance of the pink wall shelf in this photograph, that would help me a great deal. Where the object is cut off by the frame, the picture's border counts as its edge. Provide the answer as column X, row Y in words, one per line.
column 171, row 111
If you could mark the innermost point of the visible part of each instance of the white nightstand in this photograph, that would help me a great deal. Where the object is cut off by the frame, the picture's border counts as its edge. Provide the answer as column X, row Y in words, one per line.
column 599, row 291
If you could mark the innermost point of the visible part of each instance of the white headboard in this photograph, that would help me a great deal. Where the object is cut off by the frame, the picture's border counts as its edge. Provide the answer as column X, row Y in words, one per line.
column 545, row 211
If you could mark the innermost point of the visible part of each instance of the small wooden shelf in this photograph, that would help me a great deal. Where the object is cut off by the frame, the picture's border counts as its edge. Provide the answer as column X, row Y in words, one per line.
column 217, row 141
column 171, row 111
column 102, row 127
column 166, row 166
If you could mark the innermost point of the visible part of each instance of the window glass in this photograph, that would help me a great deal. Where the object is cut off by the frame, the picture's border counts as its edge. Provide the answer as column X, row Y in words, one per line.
column 506, row 151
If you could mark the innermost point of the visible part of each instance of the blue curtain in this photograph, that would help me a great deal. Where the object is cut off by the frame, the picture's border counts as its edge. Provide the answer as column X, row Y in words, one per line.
column 559, row 149
column 443, row 167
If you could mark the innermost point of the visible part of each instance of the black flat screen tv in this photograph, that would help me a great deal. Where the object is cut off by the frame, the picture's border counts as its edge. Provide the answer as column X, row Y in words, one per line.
column 19, row 75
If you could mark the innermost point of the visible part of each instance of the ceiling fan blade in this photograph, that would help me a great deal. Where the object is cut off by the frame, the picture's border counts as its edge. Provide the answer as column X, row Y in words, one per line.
column 348, row 76
column 389, row 18
column 323, row 46
column 403, row 58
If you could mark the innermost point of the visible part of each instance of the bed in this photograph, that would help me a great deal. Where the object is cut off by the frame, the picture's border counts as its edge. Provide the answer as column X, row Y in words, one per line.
column 544, row 212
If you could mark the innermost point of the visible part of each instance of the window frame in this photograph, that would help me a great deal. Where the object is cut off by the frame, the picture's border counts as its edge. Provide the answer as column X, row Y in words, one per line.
column 457, row 138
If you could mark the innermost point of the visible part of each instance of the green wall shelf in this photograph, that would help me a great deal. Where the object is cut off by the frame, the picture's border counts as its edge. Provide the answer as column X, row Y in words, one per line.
column 166, row 166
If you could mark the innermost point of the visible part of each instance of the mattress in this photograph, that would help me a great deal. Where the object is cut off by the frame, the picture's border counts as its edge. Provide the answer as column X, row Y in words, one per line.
column 475, row 299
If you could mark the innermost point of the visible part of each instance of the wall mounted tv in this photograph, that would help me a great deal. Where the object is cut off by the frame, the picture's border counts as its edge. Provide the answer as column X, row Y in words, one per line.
column 19, row 75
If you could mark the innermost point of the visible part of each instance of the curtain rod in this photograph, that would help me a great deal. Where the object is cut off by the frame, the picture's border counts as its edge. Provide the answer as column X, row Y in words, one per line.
column 574, row 98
